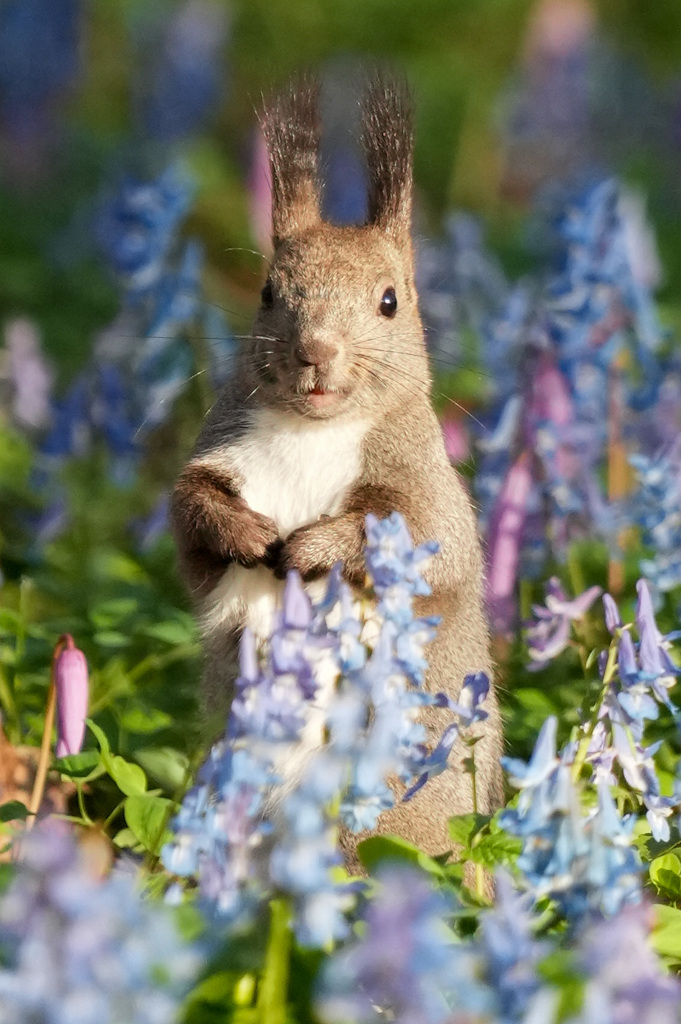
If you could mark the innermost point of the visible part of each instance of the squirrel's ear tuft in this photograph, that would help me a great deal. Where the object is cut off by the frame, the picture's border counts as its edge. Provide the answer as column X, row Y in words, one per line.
column 388, row 141
column 291, row 126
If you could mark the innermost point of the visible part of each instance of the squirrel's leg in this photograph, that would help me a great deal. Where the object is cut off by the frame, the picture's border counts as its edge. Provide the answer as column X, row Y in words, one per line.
column 214, row 526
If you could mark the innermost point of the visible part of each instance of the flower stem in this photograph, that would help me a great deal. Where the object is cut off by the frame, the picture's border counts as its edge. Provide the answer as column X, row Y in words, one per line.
column 583, row 748
column 81, row 804
column 271, row 1005
column 44, row 756
column 43, row 759
column 479, row 872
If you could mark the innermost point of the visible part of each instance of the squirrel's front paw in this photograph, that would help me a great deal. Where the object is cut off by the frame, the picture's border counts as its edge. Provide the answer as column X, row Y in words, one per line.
column 252, row 537
column 308, row 550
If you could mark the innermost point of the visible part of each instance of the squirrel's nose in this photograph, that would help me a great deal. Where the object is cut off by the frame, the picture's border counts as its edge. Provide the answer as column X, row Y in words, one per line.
column 315, row 352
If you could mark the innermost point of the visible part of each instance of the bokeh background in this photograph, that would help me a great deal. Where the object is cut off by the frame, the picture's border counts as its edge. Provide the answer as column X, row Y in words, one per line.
column 134, row 211
column 134, row 240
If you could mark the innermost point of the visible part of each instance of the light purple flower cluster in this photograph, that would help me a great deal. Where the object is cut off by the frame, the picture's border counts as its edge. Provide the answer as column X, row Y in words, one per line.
column 221, row 831
column 142, row 361
column 79, row 947
column 339, row 671
column 562, row 339
column 584, row 859
column 408, row 966
column 550, row 633
column 623, row 978
column 656, row 507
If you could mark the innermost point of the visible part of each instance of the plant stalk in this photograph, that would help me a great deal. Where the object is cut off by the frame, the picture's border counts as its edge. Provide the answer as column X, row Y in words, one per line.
column 271, row 1004
column 44, row 756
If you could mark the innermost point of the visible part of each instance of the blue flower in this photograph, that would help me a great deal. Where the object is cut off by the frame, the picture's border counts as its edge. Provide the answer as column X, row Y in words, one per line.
column 136, row 228
column 510, row 950
column 39, row 56
column 543, row 762
column 184, row 85
column 405, row 966
column 63, row 929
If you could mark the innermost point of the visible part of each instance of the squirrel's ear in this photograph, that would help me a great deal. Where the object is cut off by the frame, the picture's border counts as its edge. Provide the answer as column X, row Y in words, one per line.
column 291, row 127
column 388, row 141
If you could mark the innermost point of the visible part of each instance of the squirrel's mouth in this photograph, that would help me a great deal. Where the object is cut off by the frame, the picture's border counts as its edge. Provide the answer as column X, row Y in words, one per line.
column 321, row 398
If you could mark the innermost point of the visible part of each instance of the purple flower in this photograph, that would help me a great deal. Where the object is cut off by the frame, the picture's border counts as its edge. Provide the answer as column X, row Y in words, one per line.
column 71, row 685
column 504, row 541
column 404, row 967
column 435, row 763
column 550, row 634
column 625, row 981
column 613, row 620
column 79, row 947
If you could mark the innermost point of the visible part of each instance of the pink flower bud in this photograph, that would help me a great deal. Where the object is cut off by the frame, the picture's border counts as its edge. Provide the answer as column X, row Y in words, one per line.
column 71, row 685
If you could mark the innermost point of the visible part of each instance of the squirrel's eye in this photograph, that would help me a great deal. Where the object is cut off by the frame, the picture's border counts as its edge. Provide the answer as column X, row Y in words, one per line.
column 267, row 296
column 388, row 306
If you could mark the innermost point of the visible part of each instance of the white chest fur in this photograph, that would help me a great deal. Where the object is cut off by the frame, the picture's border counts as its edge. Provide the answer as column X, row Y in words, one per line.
column 293, row 470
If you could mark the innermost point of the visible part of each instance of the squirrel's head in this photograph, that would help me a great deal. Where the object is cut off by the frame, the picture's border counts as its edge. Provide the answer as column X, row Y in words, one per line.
column 338, row 327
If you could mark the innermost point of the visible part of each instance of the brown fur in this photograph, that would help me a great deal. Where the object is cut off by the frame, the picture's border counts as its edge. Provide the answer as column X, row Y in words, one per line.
column 321, row 327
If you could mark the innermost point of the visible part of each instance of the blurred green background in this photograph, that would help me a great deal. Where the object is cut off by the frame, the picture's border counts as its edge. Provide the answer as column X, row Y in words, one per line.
column 464, row 59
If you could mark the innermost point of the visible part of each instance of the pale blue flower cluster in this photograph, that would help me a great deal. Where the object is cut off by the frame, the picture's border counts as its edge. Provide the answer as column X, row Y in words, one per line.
column 77, row 947
column 656, row 507
column 585, row 859
column 144, row 360
column 347, row 670
column 222, row 831
column 409, row 966
column 180, row 69
column 39, row 57
column 554, row 346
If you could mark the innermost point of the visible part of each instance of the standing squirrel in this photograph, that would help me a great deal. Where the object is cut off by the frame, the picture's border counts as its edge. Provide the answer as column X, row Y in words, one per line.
column 328, row 417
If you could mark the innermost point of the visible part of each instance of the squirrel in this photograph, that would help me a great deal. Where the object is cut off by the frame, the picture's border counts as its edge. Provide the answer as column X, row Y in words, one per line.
column 328, row 417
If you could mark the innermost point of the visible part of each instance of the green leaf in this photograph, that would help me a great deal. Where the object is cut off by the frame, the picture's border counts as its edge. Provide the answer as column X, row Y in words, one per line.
column 464, row 827
column 76, row 766
column 13, row 810
column 561, row 971
column 666, row 936
column 665, row 874
column 111, row 638
column 174, row 632
column 166, row 766
column 110, row 613
column 216, row 988
column 125, row 839
column 499, row 848
column 378, row 849
column 142, row 719
column 10, row 621
column 100, row 736
column 129, row 778
column 147, row 817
